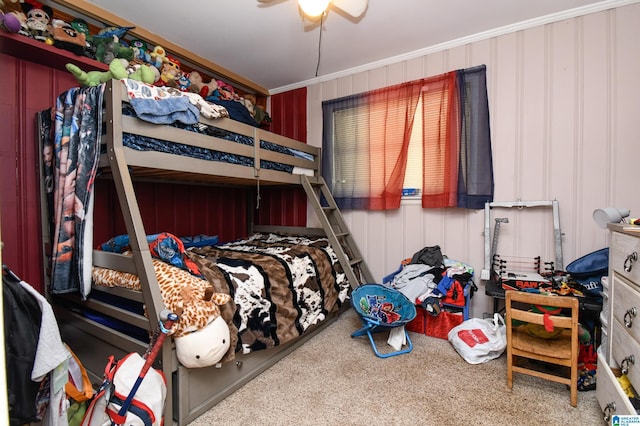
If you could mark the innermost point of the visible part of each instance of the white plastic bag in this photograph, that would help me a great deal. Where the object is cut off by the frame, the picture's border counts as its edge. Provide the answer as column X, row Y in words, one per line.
column 479, row 340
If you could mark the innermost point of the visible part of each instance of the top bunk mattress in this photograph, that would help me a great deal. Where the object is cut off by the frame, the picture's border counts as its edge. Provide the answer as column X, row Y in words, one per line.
column 207, row 150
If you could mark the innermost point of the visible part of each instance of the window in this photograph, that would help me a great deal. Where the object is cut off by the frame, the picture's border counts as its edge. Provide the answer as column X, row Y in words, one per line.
column 431, row 133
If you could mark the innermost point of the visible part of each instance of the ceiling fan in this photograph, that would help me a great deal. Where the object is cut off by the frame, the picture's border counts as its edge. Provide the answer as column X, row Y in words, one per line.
column 315, row 10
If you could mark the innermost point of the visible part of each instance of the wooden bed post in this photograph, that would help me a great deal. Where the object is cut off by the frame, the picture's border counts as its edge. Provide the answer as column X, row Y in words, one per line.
column 135, row 228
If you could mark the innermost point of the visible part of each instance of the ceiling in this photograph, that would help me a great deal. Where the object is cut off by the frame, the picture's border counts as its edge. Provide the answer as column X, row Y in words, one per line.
column 268, row 44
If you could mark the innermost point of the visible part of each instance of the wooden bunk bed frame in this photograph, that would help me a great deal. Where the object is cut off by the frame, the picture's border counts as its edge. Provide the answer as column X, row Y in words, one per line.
column 191, row 391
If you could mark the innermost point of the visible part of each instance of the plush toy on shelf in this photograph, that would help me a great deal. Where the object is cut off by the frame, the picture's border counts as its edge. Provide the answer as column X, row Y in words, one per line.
column 183, row 82
column 118, row 69
column 9, row 22
column 169, row 72
column 108, row 46
column 81, row 26
column 38, row 22
column 140, row 51
column 157, row 57
column 66, row 37
column 226, row 91
column 199, row 86
column 14, row 18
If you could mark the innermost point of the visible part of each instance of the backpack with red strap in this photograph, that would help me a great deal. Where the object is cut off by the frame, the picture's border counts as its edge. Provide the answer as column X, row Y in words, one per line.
column 147, row 406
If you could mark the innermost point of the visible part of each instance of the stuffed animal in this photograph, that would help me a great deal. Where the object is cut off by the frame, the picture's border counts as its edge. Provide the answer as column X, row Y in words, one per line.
column 199, row 86
column 183, row 82
column 66, row 37
column 169, row 72
column 157, row 57
column 195, row 82
column 204, row 347
column 108, row 46
column 226, row 91
column 9, row 22
column 118, row 69
column 13, row 12
column 38, row 20
column 81, row 27
column 201, row 334
column 209, row 88
column 140, row 51
column 249, row 101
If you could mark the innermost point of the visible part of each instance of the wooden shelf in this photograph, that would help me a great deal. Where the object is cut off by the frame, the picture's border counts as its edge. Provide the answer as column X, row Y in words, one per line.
column 32, row 50
column 87, row 9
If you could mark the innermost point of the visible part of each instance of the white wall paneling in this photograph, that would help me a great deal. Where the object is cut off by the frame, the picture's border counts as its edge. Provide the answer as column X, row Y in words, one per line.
column 564, row 100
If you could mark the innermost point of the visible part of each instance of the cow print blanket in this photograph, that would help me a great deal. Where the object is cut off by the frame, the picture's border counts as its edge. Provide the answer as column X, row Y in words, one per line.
column 281, row 285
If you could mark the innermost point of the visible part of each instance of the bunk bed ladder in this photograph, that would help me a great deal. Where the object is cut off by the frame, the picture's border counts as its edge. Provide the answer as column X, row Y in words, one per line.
column 336, row 229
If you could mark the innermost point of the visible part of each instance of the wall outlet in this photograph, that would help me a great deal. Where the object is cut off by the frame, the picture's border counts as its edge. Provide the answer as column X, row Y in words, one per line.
column 485, row 275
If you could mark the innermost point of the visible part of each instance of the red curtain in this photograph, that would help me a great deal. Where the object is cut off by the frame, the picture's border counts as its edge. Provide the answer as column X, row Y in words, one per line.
column 391, row 115
column 441, row 140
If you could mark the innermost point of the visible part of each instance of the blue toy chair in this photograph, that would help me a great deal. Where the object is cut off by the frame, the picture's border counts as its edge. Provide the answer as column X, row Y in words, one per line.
column 382, row 308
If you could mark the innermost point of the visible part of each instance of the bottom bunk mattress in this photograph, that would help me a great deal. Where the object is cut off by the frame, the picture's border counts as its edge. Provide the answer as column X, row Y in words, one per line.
column 280, row 286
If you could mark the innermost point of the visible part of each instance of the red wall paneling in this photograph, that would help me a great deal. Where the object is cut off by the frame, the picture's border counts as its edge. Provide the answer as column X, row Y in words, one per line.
column 29, row 87
column 179, row 209
column 286, row 206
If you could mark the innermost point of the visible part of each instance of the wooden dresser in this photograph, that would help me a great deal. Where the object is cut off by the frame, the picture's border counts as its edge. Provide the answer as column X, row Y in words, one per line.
column 619, row 352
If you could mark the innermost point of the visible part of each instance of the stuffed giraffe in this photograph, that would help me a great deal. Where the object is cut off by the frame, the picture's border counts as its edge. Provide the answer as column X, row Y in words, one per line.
column 192, row 298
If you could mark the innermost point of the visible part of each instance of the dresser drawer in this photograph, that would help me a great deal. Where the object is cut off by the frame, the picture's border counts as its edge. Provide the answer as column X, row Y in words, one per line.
column 626, row 352
column 626, row 307
column 609, row 394
column 624, row 249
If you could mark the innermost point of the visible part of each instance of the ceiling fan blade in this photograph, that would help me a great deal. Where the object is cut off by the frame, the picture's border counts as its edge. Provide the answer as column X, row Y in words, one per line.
column 264, row 3
column 354, row 8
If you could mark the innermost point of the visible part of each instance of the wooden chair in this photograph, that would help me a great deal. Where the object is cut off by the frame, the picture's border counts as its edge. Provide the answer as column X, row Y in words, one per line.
column 540, row 357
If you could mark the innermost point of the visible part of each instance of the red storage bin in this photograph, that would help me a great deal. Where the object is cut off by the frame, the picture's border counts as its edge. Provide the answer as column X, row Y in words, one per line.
column 418, row 324
column 434, row 326
column 440, row 325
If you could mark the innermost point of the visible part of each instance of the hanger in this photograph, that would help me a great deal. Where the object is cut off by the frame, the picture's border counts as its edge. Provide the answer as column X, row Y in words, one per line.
column 6, row 271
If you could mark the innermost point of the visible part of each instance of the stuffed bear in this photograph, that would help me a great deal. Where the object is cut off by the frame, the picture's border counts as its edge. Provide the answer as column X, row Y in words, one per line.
column 195, row 82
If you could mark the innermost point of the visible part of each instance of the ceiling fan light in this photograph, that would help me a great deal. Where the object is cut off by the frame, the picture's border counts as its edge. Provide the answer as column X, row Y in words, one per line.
column 313, row 8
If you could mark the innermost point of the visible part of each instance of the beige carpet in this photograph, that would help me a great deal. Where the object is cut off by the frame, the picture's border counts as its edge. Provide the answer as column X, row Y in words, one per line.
column 337, row 380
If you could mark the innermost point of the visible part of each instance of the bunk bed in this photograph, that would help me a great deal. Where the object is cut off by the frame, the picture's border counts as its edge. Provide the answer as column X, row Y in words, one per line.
column 192, row 390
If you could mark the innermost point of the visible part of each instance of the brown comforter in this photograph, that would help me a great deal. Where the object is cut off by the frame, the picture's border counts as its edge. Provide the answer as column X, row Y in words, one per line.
column 281, row 285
